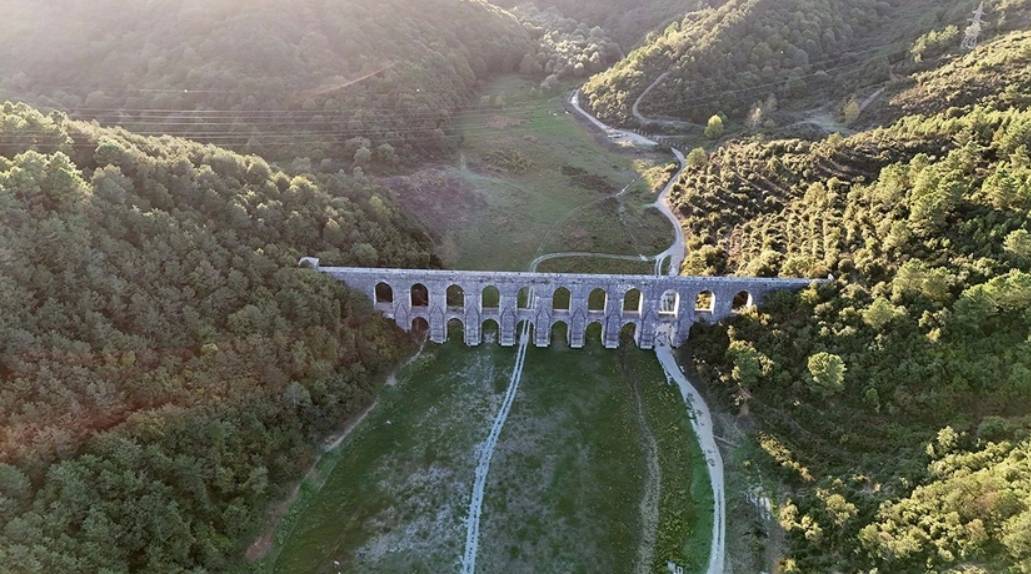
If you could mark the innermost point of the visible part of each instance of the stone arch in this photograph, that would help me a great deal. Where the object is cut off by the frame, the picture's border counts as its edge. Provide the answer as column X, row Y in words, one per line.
column 560, row 334
column 598, row 300
column 455, row 329
column 561, row 299
column 628, row 333
column 705, row 302
column 456, row 296
column 669, row 303
column 742, row 302
column 490, row 297
column 420, row 327
column 594, row 333
column 419, row 296
column 384, row 293
column 633, row 301
column 526, row 324
column 490, row 331
column 523, row 298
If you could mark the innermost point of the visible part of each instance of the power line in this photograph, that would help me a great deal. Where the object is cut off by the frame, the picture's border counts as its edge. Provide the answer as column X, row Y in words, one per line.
column 478, row 126
column 523, row 111
column 724, row 93
column 520, row 103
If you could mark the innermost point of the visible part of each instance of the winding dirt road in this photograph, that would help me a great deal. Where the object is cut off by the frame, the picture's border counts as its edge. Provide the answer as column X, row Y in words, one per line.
column 672, row 259
column 701, row 419
column 665, row 122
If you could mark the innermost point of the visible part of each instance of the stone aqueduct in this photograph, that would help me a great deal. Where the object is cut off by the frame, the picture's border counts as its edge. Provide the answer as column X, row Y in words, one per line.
column 654, row 306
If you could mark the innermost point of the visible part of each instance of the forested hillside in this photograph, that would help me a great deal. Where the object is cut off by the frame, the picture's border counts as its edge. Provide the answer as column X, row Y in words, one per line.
column 892, row 400
column 996, row 73
column 164, row 367
column 738, row 46
column 893, row 405
column 725, row 59
column 288, row 79
column 566, row 47
column 626, row 21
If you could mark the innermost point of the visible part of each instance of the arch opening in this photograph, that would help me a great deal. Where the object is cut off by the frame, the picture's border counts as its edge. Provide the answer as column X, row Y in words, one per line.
column 628, row 334
column 560, row 299
column 419, row 296
column 594, row 334
column 455, row 330
column 742, row 302
column 524, row 325
column 632, row 301
column 384, row 293
column 598, row 300
column 560, row 335
column 524, row 298
column 705, row 302
column 420, row 327
column 669, row 304
column 489, row 331
column 490, row 298
column 456, row 296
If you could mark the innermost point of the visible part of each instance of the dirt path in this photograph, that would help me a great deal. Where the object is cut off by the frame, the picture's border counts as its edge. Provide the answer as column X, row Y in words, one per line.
column 675, row 253
column 619, row 137
column 827, row 120
column 649, row 503
column 701, row 419
column 662, row 122
column 260, row 547
column 472, row 535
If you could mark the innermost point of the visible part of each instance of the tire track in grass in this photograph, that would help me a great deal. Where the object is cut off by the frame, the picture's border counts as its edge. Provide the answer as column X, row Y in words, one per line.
column 675, row 255
column 472, row 534
column 701, row 419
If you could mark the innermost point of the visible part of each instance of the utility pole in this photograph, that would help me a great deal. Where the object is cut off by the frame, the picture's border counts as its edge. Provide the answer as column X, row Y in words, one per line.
column 974, row 29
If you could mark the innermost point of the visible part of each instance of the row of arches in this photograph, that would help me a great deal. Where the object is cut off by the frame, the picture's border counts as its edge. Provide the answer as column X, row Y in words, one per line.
column 561, row 300
column 490, row 331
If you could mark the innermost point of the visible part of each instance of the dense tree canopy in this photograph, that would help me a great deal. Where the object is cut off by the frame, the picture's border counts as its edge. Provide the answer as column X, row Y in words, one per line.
column 566, row 48
column 715, row 57
column 728, row 58
column 164, row 364
column 926, row 327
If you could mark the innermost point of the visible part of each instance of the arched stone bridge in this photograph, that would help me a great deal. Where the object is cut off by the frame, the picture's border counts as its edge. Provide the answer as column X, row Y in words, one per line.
column 649, row 306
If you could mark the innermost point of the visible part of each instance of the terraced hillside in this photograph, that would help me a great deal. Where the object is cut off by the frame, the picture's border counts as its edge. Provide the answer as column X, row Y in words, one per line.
column 716, row 58
column 890, row 407
column 803, row 52
column 290, row 79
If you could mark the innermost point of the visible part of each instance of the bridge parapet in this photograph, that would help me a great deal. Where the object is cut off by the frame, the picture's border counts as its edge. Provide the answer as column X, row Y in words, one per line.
column 652, row 306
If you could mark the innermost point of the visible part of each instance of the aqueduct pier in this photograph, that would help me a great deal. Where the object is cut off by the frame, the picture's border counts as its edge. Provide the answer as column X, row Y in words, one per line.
column 649, row 306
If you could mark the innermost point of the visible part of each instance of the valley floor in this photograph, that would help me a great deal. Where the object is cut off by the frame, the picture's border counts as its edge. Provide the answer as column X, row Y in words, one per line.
column 597, row 454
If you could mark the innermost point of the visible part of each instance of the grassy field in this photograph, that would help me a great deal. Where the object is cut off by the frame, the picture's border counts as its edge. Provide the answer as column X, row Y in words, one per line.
column 571, row 467
column 567, row 479
column 565, row 492
column 686, row 503
column 597, row 265
column 393, row 497
column 533, row 180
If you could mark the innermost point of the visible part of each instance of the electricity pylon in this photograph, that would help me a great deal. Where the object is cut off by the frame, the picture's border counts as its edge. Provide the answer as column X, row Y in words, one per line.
column 974, row 29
